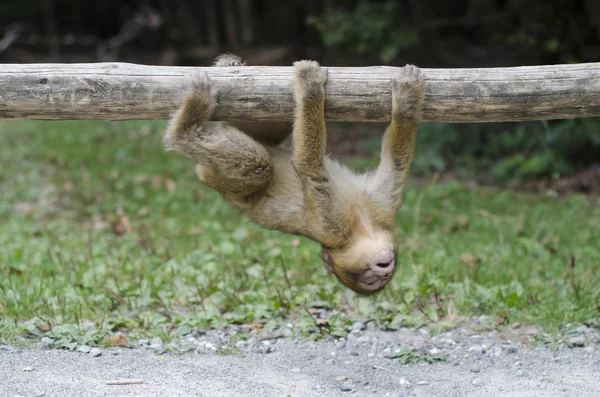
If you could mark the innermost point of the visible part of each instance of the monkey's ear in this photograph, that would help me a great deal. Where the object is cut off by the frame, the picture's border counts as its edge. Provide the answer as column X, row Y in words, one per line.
column 328, row 259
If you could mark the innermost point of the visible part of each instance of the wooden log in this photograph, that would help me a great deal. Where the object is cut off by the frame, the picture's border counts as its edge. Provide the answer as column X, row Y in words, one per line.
column 120, row 91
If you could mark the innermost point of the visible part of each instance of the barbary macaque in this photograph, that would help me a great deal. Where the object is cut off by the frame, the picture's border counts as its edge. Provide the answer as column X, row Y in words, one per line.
column 302, row 191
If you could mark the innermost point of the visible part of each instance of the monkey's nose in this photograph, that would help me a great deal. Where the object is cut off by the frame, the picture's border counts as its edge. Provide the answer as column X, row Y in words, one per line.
column 383, row 265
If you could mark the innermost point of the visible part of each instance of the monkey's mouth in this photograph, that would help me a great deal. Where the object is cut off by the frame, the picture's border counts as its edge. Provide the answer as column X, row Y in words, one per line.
column 373, row 284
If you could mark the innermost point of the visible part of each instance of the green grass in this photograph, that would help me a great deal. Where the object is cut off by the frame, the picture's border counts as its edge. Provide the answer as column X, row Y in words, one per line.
column 99, row 226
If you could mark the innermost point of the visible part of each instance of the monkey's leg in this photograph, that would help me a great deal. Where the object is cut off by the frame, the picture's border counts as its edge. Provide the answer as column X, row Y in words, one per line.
column 408, row 89
column 227, row 159
column 271, row 133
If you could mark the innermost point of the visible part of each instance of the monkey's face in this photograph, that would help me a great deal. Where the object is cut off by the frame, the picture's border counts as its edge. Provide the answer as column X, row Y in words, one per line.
column 365, row 265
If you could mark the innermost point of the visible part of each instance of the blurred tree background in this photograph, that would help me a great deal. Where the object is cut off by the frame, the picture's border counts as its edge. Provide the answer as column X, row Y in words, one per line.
column 430, row 33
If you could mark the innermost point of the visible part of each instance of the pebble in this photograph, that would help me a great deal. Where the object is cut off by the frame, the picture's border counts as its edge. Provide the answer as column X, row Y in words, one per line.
column 588, row 350
column 96, row 352
column 510, row 349
column 84, row 349
column 578, row 341
column 346, row 388
column 363, row 339
column 435, row 350
column 10, row 349
column 353, row 353
column 422, row 383
column 295, row 370
column 404, row 383
column 27, row 369
column 517, row 364
column 519, row 373
column 358, row 326
column 340, row 378
column 474, row 368
column 477, row 382
column 143, row 342
column 476, row 350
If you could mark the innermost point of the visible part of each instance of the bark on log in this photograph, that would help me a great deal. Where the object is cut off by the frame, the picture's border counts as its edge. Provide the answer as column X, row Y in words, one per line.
column 120, row 91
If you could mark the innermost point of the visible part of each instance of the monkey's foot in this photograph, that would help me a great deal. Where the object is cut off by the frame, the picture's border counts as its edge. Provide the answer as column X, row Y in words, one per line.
column 408, row 90
column 228, row 60
column 201, row 98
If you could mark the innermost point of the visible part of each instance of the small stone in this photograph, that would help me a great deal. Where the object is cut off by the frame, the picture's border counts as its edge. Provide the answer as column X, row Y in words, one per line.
column 435, row 350
column 588, row 350
column 207, row 346
column 422, row 383
column 143, row 342
column 27, row 369
column 578, row 341
column 352, row 337
column 115, row 352
column 486, row 347
column 363, row 339
column 84, row 349
column 371, row 355
column 10, row 349
column 476, row 350
column 474, row 368
column 96, row 352
column 404, row 383
column 295, row 370
column 155, row 343
column 340, row 345
column 358, row 326
column 477, row 382
column 517, row 364
column 346, row 388
column 353, row 353
column 510, row 349
column 340, row 378
column 519, row 373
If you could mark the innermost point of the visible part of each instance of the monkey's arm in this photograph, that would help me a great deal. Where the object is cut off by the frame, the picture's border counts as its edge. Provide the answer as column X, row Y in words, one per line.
column 408, row 89
column 328, row 213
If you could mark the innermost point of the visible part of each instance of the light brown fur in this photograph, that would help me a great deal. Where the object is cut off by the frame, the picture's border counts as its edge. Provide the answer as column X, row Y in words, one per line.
column 304, row 192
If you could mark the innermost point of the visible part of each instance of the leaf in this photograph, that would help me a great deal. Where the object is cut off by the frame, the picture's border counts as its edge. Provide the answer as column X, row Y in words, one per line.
column 468, row 259
column 184, row 330
column 116, row 341
column 256, row 326
column 240, row 234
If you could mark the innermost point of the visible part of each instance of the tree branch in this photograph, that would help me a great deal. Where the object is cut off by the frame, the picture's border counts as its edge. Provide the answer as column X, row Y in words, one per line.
column 119, row 91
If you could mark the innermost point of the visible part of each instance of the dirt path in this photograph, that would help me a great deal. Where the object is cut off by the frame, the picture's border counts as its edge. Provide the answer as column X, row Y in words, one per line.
column 484, row 364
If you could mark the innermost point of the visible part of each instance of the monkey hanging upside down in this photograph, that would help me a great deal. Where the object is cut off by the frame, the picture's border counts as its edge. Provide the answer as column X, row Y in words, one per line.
column 303, row 192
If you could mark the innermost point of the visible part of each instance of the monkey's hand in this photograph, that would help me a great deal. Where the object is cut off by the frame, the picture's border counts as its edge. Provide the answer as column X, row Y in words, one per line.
column 408, row 90
column 309, row 80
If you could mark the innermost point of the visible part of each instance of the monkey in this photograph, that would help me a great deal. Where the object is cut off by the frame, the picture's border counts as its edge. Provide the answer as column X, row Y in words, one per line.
column 302, row 191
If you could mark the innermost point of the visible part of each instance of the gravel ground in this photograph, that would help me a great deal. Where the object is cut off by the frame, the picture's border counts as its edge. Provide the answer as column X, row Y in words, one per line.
column 365, row 364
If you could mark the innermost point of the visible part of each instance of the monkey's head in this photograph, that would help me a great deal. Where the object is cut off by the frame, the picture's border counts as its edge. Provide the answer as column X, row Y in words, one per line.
column 365, row 264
